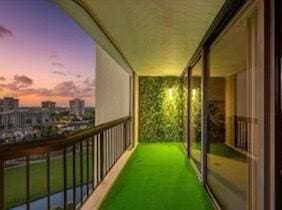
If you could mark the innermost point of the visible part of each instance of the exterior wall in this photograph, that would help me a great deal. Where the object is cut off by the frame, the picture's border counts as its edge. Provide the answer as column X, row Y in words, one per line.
column 8, row 104
column 23, row 119
column 49, row 105
column 112, row 89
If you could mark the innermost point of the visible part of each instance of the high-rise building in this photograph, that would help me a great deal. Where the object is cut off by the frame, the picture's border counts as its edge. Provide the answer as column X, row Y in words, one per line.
column 48, row 105
column 9, row 104
column 23, row 118
column 11, row 116
column 77, row 107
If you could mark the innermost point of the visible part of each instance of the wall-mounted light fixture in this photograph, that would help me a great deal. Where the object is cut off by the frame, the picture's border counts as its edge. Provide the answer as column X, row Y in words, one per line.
column 194, row 92
column 170, row 92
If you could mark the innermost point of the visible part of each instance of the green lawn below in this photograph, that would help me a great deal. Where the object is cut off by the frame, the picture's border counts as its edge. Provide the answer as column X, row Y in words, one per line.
column 157, row 176
column 15, row 178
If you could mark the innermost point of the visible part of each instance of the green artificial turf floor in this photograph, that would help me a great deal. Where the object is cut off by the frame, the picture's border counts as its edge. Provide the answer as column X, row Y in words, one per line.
column 157, row 177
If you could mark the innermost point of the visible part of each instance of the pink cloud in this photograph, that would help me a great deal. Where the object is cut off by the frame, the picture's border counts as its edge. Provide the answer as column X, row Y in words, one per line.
column 54, row 54
column 4, row 32
column 58, row 64
column 23, row 80
column 59, row 73
column 21, row 87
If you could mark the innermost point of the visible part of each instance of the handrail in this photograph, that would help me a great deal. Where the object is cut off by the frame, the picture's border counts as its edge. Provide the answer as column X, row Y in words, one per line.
column 33, row 147
column 247, row 119
column 97, row 150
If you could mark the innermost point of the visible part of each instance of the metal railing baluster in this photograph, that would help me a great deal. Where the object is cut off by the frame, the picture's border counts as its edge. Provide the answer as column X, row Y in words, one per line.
column 81, row 172
column 105, row 152
column 48, row 181
column 27, row 183
column 74, row 175
column 65, row 177
column 102, row 155
column 87, row 166
column 2, row 187
column 93, row 163
column 111, row 147
column 97, row 159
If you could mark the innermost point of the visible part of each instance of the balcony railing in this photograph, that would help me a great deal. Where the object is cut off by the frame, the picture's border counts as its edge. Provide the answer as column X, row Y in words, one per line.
column 85, row 159
column 243, row 126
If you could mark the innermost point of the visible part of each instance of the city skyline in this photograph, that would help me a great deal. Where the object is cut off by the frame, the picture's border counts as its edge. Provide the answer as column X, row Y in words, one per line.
column 44, row 57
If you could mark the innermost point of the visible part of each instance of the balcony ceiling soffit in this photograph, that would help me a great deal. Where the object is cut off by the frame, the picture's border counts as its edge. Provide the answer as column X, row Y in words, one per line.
column 157, row 37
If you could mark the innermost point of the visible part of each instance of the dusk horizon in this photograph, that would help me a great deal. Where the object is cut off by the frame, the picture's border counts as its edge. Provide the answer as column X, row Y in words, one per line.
column 44, row 55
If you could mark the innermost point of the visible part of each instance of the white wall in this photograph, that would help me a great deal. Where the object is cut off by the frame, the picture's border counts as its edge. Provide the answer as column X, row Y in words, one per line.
column 112, row 89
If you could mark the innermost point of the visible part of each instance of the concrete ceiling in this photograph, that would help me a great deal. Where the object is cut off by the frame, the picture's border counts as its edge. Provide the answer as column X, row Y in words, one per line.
column 156, row 37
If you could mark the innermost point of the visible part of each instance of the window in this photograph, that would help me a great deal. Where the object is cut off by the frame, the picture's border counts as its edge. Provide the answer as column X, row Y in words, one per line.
column 195, row 129
column 235, row 115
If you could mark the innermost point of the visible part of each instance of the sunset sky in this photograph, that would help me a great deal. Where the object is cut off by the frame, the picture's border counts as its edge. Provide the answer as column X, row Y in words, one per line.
column 44, row 54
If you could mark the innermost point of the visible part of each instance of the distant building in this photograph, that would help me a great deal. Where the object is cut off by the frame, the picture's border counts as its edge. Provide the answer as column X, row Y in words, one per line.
column 48, row 105
column 77, row 107
column 23, row 119
column 11, row 116
column 8, row 104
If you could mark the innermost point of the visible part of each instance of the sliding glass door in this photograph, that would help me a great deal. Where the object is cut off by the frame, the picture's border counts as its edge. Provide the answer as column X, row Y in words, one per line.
column 185, row 110
column 227, row 119
column 195, row 104
column 235, row 115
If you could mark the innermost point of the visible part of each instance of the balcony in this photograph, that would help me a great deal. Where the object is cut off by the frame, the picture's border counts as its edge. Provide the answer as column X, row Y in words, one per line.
column 187, row 111
column 70, row 169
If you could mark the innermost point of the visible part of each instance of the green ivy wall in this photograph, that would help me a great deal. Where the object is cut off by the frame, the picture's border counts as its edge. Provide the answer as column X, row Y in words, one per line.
column 160, row 109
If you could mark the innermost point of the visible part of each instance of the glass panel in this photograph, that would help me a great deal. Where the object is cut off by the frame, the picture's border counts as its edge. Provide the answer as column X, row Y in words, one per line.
column 235, row 115
column 195, row 115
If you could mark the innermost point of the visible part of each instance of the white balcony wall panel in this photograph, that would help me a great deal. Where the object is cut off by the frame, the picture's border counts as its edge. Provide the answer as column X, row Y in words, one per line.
column 112, row 88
